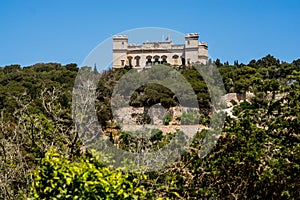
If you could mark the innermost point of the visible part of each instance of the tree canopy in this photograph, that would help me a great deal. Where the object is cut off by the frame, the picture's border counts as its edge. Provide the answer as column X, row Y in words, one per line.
column 256, row 157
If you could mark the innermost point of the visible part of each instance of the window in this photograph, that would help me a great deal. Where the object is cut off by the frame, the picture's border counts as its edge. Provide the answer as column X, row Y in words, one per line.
column 129, row 61
column 164, row 59
column 122, row 62
column 156, row 60
column 137, row 61
column 175, row 59
column 148, row 62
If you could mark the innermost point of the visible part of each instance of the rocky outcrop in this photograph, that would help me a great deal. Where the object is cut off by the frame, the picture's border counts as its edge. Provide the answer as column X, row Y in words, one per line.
column 236, row 97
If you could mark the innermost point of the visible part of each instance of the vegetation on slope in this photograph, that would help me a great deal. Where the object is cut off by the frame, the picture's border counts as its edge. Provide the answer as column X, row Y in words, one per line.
column 257, row 156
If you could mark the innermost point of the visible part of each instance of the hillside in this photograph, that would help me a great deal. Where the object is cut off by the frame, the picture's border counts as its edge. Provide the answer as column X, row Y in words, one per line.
column 257, row 155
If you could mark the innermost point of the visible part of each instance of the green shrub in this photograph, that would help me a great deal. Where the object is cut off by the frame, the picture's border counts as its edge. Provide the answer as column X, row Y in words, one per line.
column 189, row 118
column 156, row 135
column 167, row 119
column 143, row 119
column 233, row 102
column 59, row 178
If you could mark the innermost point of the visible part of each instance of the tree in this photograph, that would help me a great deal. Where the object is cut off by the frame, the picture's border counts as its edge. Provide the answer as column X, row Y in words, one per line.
column 218, row 62
column 267, row 61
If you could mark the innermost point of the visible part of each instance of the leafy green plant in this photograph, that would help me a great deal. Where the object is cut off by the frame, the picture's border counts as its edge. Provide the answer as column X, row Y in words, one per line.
column 167, row 119
column 59, row 178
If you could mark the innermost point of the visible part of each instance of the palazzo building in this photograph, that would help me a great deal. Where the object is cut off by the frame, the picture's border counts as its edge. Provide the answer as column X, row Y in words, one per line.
column 154, row 53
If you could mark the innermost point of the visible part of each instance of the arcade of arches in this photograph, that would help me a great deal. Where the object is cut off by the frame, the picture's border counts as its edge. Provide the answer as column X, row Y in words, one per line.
column 152, row 60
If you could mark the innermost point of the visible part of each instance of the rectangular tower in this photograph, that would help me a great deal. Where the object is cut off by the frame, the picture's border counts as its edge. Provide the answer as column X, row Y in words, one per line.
column 120, row 48
column 191, row 48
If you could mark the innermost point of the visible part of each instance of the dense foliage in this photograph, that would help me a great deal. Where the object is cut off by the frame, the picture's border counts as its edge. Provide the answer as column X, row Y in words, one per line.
column 83, row 179
column 256, row 157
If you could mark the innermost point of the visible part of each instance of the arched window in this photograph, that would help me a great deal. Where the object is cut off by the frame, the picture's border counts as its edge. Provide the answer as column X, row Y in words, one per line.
column 137, row 61
column 129, row 61
column 175, row 59
column 156, row 60
column 164, row 59
column 148, row 62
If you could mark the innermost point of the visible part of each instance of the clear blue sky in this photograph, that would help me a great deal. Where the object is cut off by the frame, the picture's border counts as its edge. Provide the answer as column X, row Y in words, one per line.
column 66, row 31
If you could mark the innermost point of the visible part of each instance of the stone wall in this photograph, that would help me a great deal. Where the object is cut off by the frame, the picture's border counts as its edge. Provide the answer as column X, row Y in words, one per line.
column 237, row 98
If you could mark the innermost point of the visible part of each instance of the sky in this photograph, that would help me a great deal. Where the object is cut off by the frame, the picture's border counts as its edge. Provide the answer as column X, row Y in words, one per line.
column 66, row 31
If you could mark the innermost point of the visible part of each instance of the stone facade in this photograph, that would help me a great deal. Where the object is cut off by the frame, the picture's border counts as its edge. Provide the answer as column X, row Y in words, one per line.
column 153, row 53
